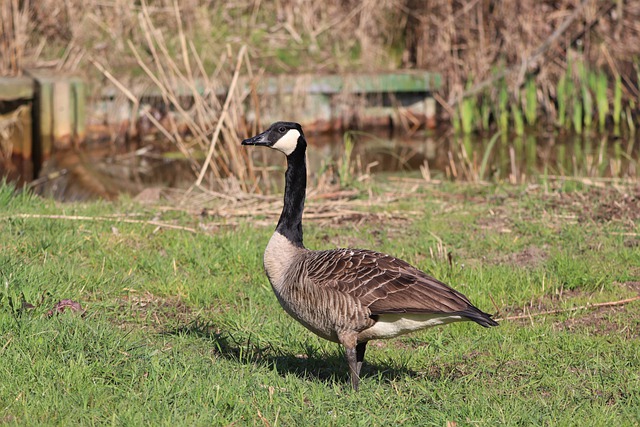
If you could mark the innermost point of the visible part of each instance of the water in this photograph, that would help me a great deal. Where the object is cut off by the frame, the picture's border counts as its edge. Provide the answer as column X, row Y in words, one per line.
column 101, row 170
column 492, row 157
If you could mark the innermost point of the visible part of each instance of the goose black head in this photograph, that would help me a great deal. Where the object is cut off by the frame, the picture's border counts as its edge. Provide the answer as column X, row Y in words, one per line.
column 282, row 136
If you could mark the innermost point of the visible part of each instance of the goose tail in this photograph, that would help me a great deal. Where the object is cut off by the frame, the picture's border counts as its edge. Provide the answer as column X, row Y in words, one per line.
column 479, row 316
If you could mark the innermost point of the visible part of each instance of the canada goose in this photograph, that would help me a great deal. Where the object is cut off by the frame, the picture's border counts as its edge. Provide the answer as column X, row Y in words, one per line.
column 349, row 296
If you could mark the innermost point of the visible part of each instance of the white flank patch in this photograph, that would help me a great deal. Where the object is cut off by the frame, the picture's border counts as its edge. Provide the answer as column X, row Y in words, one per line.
column 288, row 142
column 392, row 325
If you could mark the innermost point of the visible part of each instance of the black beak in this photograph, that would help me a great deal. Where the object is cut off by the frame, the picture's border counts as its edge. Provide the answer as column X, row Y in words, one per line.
column 257, row 140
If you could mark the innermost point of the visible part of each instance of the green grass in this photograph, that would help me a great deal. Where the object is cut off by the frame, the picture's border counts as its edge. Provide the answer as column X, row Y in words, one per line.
column 182, row 328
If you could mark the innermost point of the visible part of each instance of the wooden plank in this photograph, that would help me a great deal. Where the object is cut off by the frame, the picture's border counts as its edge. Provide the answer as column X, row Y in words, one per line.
column 430, row 112
column 43, row 139
column 59, row 113
column 14, row 88
column 366, row 83
column 372, row 98
column 328, row 84
column 397, row 82
column 26, row 131
column 25, row 161
column 62, row 114
column 79, row 110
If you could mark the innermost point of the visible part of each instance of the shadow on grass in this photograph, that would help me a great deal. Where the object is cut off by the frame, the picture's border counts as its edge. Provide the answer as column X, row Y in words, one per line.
column 315, row 365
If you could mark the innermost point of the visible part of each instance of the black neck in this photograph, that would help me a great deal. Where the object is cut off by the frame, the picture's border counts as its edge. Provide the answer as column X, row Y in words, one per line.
column 290, row 223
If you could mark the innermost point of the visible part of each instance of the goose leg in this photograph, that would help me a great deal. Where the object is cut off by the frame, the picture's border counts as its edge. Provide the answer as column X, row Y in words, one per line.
column 352, row 359
column 360, row 349
column 350, row 343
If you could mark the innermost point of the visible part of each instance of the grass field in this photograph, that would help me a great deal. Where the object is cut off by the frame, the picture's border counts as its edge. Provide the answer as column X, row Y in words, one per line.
column 181, row 327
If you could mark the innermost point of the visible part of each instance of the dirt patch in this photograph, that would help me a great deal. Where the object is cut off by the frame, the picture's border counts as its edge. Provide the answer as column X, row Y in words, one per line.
column 374, row 225
column 634, row 286
column 148, row 311
column 527, row 258
column 598, row 204
column 624, row 206
column 545, row 303
column 497, row 219
column 618, row 317
column 619, row 321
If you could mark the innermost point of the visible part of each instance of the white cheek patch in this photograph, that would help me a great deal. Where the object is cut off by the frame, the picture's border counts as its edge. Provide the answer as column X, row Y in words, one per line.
column 288, row 142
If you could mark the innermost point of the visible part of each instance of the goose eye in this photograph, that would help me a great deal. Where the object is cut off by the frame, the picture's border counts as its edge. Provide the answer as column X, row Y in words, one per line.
column 281, row 129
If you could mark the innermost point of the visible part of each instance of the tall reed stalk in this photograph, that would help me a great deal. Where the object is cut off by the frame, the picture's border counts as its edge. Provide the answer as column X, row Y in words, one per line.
column 345, row 171
column 503, row 109
column 601, row 100
column 561, row 159
column 617, row 101
column 578, row 157
column 577, row 114
column 485, row 112
column 561, row 94
column 468, row 115
column 587, row 103
column 531, row 102
column 485, row 157
column 518, row 121
column 630, row 121
column 14, row 27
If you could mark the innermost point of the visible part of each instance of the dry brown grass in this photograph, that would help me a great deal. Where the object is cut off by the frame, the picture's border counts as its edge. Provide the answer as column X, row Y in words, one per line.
column 14, row 18
column 212, row 127
column 472, row 40
column 463, row 40
column 289, row 35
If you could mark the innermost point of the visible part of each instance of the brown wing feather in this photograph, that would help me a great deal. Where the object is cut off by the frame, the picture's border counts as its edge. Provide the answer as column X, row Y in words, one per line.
column 383, row 283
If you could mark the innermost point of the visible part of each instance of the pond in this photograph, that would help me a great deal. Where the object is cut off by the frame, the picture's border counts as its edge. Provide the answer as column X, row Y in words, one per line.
column 499, row 157
column 100, row 170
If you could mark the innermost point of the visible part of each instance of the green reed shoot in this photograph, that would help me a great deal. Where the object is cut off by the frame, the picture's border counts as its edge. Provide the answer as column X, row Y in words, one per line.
column 485, row 112
column 467, row 155
column 518, row 146
column 455, row 122
column 487, row 153
column 518, row 121
column 603, row 160
column 345, row 170
column 617, row 155
column 601, row 100
column 586, row 165
column 577, row 115
column 503, row 109
column 587, row 101
column 629, row 150
column 592, row 80
column 467, row 114
column 531, row 102
column 500, row 161
column 617, row 101
column 531, row 154
column 630, row 122
column 561, row 94
column 561, row 158
column 578, row 156
column 570, row 95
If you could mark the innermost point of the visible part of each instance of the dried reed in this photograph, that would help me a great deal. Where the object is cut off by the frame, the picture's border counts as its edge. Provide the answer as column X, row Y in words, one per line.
column 484, row 40
column 211, row 128
column 14, row 16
